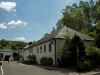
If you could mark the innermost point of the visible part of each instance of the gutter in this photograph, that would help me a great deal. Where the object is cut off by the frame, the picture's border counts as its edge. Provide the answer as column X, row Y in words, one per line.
column 55, row 52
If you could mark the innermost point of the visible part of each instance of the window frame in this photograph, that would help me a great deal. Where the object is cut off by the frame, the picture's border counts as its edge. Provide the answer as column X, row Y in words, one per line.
column 44, row 48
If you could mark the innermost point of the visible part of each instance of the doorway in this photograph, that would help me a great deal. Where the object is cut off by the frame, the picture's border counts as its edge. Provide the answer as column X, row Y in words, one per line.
column 7, row 57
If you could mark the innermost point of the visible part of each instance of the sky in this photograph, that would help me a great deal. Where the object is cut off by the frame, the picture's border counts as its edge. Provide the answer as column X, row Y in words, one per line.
column 29, row 20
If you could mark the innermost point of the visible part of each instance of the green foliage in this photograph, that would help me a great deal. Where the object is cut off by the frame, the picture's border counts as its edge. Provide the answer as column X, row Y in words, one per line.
column 64, row 48
column 82, row 18
column 92, row 50
column 77, row 49
column 88, row 65
column 97, row 40
column 93, row 54
column 72, row 17
column 46, row 34
column 13, row 45
column 50, row 61
column 46, row 61
column 72, row 48
column 84, row 66
column 31, row 61
column 80, row 66
column 98, row 27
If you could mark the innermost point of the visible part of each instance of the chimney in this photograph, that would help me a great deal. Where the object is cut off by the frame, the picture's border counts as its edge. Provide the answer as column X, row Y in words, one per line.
column 30, row 43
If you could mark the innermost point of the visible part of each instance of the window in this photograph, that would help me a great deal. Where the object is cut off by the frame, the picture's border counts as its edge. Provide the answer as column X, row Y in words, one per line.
column 40, row 49
column 50, row 48
column 37, row 49
column 44, row 48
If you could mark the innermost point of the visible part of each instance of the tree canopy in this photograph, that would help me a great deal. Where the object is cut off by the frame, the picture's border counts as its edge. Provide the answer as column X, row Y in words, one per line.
column 84, row 17
column 13, row 45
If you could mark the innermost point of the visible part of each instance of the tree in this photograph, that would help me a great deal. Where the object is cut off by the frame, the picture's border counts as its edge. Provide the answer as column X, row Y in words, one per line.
column 97, row 41
column 46, row 34
column 81, row 18
column 97, row 36
column 96, row 12
column 87, row 9
column 77, row 49
column 73, row 17
column 64, row 52
column 53, row 29
column 13, row 47
column 11, row 44
column 64, row 47
column 93, row 54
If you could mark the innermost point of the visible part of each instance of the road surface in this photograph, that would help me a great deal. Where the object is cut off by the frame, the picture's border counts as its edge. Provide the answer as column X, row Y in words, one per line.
column 14, row 68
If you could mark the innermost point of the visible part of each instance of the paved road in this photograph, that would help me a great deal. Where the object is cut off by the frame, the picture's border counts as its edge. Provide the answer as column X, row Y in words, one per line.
column 14, row 68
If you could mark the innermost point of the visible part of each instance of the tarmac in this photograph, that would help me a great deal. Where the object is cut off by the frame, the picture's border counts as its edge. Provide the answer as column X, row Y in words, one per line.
column 70, row 71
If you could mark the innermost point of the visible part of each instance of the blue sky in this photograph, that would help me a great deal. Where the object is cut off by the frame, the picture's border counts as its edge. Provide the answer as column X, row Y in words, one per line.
column 29, row 20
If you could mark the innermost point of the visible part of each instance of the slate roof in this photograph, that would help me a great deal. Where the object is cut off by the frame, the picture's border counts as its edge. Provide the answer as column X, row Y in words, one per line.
column 60, row 34
column 70, row 32
column 6, row 50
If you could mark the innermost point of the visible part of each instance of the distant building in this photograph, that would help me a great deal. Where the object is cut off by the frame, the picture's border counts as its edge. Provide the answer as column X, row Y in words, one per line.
column 6, row 53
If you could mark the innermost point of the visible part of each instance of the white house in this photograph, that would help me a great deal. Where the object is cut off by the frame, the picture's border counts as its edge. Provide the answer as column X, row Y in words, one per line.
column 49, row 45
column 25, row 53
column 6, row 53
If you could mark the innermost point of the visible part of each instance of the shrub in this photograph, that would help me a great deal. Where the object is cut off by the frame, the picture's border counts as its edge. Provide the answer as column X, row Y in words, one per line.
column 93, row 54
column 46, row 61
column 31, row 61
column 50, row 61
column 87, row 65
column 84, row 66
column 80, row 67
column 43, row 61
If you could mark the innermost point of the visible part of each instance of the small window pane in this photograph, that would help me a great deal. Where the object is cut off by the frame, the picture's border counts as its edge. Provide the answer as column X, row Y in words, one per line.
column 40, row 49
column 44, row 48
column 49, row 47
column 37, row 49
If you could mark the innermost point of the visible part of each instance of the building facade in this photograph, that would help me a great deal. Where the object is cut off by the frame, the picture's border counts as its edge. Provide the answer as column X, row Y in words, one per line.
column 48, row 46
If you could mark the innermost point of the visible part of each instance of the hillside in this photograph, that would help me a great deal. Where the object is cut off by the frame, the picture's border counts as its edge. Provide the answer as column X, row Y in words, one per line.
column 13, row 45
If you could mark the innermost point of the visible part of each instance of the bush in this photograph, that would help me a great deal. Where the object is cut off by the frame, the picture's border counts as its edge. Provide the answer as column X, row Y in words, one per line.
column 31, row 61
column 46, row 61
column 50, row 61
column 80, row 67
column 87, row 65
column 93, row 54
column 84, row 66
column 43, row 61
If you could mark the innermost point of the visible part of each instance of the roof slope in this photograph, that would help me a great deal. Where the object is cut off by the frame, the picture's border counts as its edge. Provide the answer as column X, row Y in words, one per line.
column 48, row 37
column 60, row 34
column 6, row 50
column 70, row 32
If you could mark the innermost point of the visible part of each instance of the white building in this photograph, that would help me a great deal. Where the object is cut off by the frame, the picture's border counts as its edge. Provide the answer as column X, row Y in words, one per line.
column 49, row 45
column 6, row 53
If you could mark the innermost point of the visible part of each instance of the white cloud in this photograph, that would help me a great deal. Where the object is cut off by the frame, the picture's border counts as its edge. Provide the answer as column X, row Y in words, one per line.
column 17, row 23
column 8, row 6
column 2, row 25
column 19, row 39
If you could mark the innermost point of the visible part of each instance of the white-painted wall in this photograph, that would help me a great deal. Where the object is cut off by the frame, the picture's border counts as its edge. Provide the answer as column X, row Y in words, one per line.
column 5, row 53
column 26, row 53
column 59, row 43
column 47, row 53
column 86, row 43
column 44, row 54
